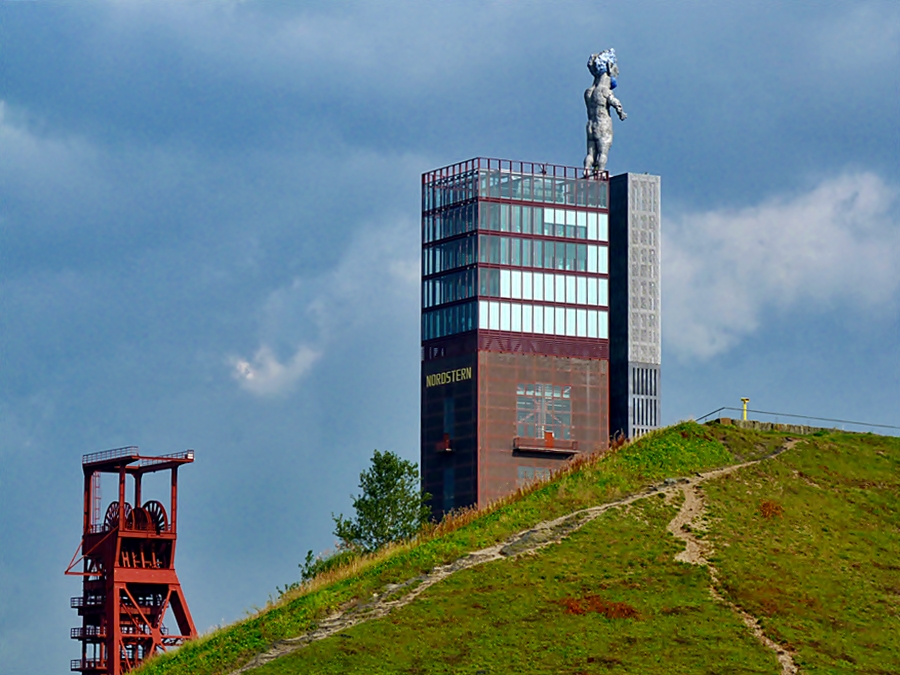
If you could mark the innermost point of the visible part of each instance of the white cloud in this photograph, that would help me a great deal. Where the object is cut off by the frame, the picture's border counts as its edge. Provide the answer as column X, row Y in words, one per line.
column 374, row 286
column 832, row 247
column 265, row 375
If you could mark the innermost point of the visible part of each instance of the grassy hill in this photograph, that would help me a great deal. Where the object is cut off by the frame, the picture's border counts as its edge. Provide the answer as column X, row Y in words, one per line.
column 798, row 552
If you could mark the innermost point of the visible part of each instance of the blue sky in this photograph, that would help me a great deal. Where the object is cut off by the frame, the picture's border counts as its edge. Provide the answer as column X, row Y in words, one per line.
column 209, row 239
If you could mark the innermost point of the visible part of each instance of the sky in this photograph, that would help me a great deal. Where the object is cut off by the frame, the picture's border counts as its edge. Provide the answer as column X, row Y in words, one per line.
column 209, row 239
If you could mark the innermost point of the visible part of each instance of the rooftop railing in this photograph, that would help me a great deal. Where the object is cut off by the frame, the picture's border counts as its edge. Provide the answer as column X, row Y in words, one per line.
column 512, row 166
column 108, row 455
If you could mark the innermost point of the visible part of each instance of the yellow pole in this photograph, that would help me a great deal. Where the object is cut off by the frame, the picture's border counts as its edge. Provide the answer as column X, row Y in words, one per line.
column 745, row 401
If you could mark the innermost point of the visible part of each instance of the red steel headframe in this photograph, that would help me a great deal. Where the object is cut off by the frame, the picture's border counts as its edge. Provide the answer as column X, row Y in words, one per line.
column 128, row 567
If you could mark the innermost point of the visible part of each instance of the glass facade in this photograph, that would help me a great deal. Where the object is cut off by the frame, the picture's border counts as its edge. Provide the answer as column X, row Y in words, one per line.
column 542, row 223
column 518, row 184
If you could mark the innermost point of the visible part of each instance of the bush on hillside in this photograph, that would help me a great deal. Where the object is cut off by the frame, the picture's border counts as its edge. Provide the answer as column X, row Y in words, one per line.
column 391, row 507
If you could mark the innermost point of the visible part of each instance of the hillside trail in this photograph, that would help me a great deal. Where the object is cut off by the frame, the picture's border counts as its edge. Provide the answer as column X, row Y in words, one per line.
column 697, row 551
column 394, row 596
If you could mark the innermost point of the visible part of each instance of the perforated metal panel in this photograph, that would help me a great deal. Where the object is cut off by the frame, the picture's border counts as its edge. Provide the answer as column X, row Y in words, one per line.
column 635, row 309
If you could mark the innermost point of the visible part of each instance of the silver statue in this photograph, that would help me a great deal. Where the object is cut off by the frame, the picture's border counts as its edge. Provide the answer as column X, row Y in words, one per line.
column 599, row 99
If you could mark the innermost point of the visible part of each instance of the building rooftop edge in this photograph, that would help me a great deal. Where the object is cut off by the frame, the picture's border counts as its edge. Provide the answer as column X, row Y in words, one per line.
column 513, row 166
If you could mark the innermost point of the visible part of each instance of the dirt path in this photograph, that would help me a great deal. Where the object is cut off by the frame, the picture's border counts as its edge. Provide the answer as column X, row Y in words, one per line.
column 684, row 526
column 541, row 535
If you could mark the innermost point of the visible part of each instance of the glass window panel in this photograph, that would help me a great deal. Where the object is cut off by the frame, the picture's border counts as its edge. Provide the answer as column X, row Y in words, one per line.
column 504, row 250
column 592, row 226
column 515, row 256
column 592, row 323
column 602, row 293
column 581, row 258
column 603, row 259
column 494, row 288
column 494, row 256
column 527, row 285
column 570, row 231
column 504, row 218
column 570, row 217
column 516, row 285
column 560, row 295
column 570, row 290
column 571, row 328
column 592, row 292
column 593, row 193
column 602, row 325
column 560, row 324
column 560, row 255
column 582, row 291
column 516, row 316
column 581, row 225
column 592, row 258
column 515, row 181
column 559, row 230
column 538, row 320
column 505, row 315
column 538, row 253
column 571, row 256
column 537, row 217
column 494, row 223
column 527, row 316
column 526, row 188
column 548, row 320
column 548, row 287
column 538, row 286
column 504, row 283
column 548, row 255
column 603, row 227
column 560, row 190
column 494, row 315
column 517, row 218
column 526, row 253
column 581, row 317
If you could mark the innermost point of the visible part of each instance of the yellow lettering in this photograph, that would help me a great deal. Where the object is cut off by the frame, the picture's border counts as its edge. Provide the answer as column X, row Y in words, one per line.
column 448, row 377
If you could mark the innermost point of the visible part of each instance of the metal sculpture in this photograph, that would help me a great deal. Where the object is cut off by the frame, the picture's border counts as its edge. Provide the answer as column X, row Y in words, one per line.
column 128, row 567
column 598, row 98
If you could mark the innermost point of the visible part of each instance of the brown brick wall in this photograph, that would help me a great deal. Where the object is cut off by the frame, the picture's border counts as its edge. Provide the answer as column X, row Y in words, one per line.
column 498, row 376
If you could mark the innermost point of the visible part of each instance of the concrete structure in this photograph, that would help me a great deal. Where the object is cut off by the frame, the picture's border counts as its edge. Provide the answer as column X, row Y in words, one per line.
column 634, row 304
column 515, row 348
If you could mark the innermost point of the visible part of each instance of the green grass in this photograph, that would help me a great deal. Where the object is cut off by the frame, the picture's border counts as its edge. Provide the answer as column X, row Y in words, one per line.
column 824, row 575
column 680, row 450
column 532, row 614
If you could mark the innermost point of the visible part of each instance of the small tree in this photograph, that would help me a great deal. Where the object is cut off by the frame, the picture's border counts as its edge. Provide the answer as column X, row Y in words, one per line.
column 390, row 508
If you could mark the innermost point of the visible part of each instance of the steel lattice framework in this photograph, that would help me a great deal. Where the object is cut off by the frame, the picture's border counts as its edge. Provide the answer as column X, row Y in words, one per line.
column 127, row 559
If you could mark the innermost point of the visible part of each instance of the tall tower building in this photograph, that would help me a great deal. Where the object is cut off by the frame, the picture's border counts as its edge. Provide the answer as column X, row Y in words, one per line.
column 515, row 325
column 634, row 304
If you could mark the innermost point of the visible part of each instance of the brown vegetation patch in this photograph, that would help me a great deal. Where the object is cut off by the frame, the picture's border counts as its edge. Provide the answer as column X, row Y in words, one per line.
column 770, row 509
column 597, row 605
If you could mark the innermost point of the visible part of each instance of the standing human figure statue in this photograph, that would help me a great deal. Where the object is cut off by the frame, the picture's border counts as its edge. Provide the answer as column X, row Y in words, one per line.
column 599, row 99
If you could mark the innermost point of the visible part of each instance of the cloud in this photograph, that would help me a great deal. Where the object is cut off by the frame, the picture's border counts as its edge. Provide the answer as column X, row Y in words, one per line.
column 265, row 375
column 374, row 286
column 832, row 246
